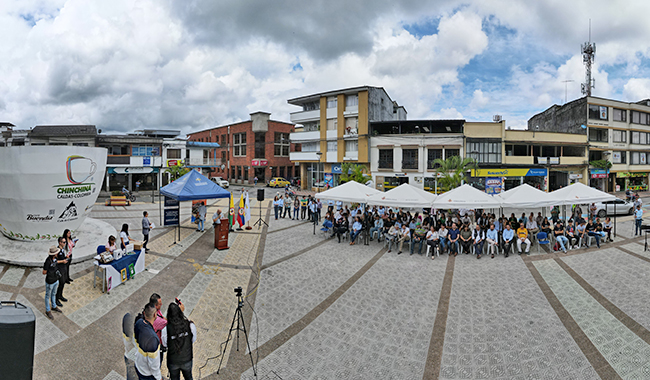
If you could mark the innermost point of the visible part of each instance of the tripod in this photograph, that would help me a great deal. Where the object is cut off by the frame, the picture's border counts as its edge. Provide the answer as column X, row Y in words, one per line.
column 239, row 317
column 260, row 220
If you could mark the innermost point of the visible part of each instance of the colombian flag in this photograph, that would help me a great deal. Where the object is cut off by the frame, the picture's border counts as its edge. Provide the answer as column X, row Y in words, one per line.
column 231, row 212
column 240, row 212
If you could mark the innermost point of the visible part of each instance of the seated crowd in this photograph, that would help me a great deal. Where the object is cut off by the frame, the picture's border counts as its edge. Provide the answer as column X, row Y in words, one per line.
column 461, row 230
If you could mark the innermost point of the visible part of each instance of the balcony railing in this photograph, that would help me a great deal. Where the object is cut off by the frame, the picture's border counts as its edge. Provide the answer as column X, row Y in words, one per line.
column 209, row 162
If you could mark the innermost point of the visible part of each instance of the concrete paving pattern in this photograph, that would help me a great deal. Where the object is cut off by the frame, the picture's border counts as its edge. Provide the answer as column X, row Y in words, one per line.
column 318, row 309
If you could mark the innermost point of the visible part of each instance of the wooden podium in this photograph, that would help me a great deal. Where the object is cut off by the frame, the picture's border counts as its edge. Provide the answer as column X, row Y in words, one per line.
column 221, row 235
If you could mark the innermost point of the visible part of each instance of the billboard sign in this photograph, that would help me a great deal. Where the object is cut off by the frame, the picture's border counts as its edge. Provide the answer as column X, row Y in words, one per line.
column 46, row 189
column 493, row 185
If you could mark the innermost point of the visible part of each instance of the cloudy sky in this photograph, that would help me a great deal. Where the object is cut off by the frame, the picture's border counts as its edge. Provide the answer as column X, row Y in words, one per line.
column 192, row 64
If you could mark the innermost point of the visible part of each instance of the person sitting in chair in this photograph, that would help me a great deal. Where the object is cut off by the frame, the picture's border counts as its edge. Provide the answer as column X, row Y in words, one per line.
column 522, row 237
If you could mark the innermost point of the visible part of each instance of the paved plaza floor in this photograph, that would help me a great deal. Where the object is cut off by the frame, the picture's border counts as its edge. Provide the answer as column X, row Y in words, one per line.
column 318, row 309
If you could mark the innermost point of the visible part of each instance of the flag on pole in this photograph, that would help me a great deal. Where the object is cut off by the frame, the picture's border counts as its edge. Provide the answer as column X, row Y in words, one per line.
column 247, row 209
column 240, row 212
column 231, row 212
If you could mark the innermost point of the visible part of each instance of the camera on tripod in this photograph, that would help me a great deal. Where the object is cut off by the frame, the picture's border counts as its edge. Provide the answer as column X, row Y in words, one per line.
column 238, row 291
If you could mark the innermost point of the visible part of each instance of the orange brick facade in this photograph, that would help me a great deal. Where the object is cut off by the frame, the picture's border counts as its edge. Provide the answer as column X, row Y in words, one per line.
column 243, row 168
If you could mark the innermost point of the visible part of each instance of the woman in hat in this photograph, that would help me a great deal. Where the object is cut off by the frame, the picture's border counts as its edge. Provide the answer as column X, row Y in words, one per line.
column 52, row 274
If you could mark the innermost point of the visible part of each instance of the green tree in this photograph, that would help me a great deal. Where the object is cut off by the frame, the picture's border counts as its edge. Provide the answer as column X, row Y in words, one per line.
column 452, row 171
column 601, row 164
column 354, row 172
column 177, row 172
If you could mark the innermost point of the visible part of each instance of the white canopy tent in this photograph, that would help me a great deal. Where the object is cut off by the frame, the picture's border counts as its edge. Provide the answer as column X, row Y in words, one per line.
column 526, row 197
column 348, row 192
column 404, row 195
column 579, row 193
column 467, row 197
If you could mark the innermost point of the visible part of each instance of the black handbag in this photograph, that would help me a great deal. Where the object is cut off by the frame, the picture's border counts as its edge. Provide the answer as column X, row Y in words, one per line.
column 58, row 274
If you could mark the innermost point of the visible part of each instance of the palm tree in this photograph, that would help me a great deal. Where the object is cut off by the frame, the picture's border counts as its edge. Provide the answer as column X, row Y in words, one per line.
column 354, row 172
column 453, row 171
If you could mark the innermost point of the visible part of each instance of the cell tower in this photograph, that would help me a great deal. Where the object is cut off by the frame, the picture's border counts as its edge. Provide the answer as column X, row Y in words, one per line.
column 588, row 53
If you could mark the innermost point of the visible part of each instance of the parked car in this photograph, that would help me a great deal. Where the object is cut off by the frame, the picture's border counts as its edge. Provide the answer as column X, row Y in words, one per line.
column 278, row 182
column 622, row 207
column 221, row 182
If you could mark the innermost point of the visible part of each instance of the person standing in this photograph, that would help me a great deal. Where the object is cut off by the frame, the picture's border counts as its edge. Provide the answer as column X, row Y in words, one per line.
column 137, row 186
column 276, row 206
column 593, row 211
column 296, row 208
column 287, row 206
column 50, row 269
column 255, row 180
column 147, row 358
column 216, row 218
column 146, row 227
column 63, row 257
column 69, row 244
column 125, row 239
column 202, row 211
column 130, row 347
column 638, row 219
column 313, row 211
column 319, row 207
column 303, row 207
column 179, row 336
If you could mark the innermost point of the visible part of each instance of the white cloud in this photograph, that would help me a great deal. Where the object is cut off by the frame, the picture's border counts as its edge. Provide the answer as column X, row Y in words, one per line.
column 637, row 89
column 479, row 100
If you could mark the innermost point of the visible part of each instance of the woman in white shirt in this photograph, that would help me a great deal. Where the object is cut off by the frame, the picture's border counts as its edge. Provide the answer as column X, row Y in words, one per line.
column 124, row 236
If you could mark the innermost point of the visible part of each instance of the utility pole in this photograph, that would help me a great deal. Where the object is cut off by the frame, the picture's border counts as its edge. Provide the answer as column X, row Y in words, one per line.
column 588, row 53
column 566, row 82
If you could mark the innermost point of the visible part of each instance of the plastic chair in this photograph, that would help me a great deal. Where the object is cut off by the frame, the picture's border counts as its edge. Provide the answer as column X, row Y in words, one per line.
column 542, row 239
column 589, row 239
column 429, row 248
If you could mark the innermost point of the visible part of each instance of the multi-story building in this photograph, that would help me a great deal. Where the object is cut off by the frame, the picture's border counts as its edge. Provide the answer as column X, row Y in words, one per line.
column 507, row 157
column 10, row 136
column 76, row 135
column 258, row 147
column 618, row 132
column 333, row 128
column 404, row 151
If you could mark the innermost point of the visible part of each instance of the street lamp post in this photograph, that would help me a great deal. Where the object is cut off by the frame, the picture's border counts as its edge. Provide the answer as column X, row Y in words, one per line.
column 317, row 187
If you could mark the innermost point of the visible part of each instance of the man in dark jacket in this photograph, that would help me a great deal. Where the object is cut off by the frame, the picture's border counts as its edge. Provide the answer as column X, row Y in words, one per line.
column 147, row 359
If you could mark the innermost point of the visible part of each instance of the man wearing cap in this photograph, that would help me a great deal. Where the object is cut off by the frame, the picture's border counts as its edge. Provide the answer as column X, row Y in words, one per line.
column 51, row 281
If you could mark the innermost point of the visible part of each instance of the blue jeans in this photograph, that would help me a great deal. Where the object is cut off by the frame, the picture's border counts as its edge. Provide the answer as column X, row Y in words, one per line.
column 50, row 295
column 597, row 236
column 200, row 226
column 143, row 377
column 419, row 243
column 276, row 208
column 562, row 240
column 637, row 226
column 453, row 246
column 353, row 235
column 295, row 213
column 176, row 369
column 443, row 244
column 478, row 247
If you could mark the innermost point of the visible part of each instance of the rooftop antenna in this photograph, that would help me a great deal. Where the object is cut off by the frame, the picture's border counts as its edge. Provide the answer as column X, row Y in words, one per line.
column 588, row 53
column 566, row 83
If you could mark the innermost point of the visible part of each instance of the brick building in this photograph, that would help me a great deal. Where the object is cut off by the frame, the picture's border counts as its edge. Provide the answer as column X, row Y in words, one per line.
column 258, row 147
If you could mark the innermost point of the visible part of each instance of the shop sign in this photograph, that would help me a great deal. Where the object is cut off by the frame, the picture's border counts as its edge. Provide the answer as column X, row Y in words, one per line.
column 171, row 163
column 259, row 162
column 328, row 179
column 598, row 173
column 630, row 175
column 493, row 185
column 538, row 172
column 575, row 176
column 337, row 169
column 146, row 161
column 133, row 170
column 554, row 160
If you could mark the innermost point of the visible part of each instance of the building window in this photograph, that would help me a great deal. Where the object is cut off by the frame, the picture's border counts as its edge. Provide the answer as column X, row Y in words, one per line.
column 311, row 106
column 232, row 174
column 640, row 138
column 224, row 141
column 351, row 125
column 245, row 173
column 484, row 152
column 410, row 159
column 639, row 117
column 79, row 144
column 331, row 102
column 260, row 144
column 174, row 153
column 352, row 146
column 352, row 100
column 310, row 147
column 331, row 146
column 517, row 150
column 432, row 155
column 331, row 124
column 385, row 158
column 451, row 153
column 619, row 136
column 619, row 114
column 619, row 157
column 638, row 158
column 596, row 134
column 281, row 144
column 597, row 112
column 239, row 144
column 118, row 150
column 282, row 171
column 223, row 157
column 274, row 171
column 312, row 126
column 573, row 151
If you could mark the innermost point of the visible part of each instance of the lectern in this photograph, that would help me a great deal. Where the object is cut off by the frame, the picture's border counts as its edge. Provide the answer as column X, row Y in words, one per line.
column 221, row 235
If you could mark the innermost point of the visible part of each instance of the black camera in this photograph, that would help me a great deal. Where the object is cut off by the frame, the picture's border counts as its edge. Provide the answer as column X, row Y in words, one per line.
column 238, row 291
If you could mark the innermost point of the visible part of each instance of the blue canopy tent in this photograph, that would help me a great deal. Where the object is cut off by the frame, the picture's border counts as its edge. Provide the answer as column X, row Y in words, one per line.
column 193, row 186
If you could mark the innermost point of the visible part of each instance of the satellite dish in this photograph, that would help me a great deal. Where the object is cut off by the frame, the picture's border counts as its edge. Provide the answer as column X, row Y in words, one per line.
column 583, row 126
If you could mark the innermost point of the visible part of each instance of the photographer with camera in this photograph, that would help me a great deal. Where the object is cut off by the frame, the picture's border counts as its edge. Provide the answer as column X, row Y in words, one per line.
column 178, row 337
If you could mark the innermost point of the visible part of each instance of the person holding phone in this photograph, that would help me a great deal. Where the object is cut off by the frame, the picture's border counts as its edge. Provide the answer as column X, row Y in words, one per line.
column 178, row 337
column 70, row 242
column 50, row 269
column 62, row 257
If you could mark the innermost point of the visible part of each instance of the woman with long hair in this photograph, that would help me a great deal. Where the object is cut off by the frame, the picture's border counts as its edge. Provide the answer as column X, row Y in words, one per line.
column 178, row 336
column 69, row 244
column 125, row 239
